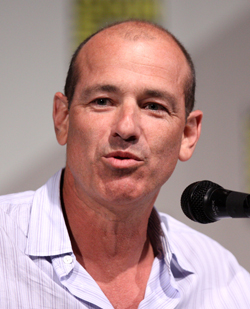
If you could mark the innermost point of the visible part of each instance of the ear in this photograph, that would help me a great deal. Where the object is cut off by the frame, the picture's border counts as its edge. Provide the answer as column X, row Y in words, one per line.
column 61, row 117
column 191, row 135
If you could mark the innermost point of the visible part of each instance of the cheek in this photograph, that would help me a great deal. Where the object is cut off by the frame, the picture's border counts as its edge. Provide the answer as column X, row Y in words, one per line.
column 79, row 143
column 166, row 141
column 165, row 150
column 85, row 136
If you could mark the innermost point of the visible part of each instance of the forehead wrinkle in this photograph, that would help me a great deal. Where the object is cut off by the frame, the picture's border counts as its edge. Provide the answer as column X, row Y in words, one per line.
column 99, row 88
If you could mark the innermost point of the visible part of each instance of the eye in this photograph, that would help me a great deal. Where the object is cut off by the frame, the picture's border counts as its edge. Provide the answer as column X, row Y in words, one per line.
column 102, row 101
column 155, row 107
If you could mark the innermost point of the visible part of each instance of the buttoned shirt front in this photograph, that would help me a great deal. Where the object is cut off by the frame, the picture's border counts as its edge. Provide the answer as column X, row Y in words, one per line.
column 38, row 268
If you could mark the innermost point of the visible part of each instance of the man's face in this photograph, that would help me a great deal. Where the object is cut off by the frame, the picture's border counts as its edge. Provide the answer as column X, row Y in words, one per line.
column 126, row 120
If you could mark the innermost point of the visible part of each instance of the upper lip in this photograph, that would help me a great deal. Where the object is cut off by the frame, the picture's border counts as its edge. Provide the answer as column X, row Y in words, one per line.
column 123, row 155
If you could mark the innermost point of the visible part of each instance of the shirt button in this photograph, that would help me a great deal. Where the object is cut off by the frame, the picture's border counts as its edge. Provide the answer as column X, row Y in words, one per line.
column 67, row 259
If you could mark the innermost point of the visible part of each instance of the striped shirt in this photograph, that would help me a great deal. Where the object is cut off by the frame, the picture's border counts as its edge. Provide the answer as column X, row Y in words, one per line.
column 38, row 268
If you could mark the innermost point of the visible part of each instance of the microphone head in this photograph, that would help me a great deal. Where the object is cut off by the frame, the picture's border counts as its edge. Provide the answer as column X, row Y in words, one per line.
column 192, row 200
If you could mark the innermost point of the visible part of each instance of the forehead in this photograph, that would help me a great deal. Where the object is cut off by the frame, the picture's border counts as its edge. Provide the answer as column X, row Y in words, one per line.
column 144, row 50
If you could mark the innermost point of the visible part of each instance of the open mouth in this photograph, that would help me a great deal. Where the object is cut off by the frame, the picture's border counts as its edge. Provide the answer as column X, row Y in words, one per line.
column 119, row 155
column 122, row 160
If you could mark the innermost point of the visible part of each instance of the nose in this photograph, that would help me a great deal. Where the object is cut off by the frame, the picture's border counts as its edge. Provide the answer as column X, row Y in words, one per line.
column 127, row 122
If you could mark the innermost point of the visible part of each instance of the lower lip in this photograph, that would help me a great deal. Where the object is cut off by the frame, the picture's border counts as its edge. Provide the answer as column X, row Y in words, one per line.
column 122, row 164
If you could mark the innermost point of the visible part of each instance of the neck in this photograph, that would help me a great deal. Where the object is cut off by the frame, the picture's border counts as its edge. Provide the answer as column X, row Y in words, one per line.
column 112, row 246
column 100, row 236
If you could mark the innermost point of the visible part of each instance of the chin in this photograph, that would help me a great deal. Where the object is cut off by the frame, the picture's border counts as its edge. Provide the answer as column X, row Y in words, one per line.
column 129, row 194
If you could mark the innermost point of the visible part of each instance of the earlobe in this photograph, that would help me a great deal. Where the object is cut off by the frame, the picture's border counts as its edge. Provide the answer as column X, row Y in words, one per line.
column 60, row 117
column 191, row 135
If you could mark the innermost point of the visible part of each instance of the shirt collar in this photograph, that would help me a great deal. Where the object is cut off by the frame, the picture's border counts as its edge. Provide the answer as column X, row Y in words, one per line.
column 47, row 233
column 160, row 240
column 173, row 259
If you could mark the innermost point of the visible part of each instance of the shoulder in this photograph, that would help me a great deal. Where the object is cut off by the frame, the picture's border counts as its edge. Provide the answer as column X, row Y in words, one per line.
column 15, row 210
column 16, row 198
column 188, row 242
column 215, row 274
column 14, row 203
column 175, row 228
column 200, row 253
column 17, row 206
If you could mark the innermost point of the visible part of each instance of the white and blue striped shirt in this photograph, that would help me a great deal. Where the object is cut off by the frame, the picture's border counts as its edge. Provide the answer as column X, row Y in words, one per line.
column 38, row 268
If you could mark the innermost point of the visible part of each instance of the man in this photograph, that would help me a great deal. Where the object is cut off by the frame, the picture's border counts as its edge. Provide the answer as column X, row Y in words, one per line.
column 91, row 237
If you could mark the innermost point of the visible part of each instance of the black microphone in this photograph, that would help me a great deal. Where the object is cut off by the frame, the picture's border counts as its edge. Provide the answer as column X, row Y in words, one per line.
column 206, row 202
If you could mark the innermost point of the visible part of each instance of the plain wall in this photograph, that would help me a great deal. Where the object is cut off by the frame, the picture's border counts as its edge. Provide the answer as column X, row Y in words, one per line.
column 35, row 52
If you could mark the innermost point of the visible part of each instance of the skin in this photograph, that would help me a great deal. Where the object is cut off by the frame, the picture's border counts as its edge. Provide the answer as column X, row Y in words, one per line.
column 125, row 131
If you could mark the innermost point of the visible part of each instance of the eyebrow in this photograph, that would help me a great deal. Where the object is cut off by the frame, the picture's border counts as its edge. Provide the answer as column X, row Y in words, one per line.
column 99, row 88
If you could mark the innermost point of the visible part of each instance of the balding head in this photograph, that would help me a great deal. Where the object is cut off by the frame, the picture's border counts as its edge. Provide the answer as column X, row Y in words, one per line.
column 136, row 31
